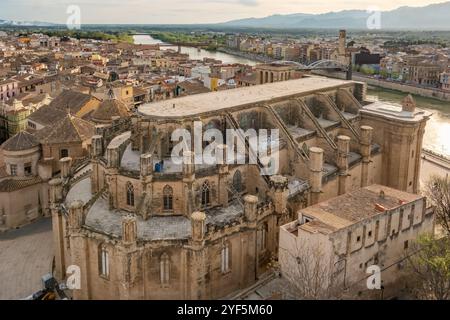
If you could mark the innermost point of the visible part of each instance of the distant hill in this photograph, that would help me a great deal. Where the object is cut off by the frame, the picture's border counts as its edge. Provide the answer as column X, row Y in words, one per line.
column 25, row 23
column 431, row 17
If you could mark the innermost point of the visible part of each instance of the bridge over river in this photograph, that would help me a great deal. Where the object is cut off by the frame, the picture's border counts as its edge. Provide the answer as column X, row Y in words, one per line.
column 433, row 164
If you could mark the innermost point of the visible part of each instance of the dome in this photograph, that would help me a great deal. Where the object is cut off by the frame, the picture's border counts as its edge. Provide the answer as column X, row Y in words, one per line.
column 21, row 141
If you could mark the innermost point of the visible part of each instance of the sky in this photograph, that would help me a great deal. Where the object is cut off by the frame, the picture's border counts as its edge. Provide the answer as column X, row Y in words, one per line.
column 180, row 11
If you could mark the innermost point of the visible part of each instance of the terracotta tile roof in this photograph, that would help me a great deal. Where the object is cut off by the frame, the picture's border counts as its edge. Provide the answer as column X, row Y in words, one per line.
column 47, row 115
column 9, row 185
column 21, row 141
column 110, row 108
column 68, row 129
column 71, row 99
column 357, row 205
column 139, row 91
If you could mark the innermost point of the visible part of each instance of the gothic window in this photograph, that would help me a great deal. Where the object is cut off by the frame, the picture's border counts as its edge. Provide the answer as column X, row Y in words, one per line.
column 130, row 194
column 164, row 266
column 104, row 262
column 262, row 237
column 225, row 266
column 237, row 181
column 206, row 193
column 168, row 198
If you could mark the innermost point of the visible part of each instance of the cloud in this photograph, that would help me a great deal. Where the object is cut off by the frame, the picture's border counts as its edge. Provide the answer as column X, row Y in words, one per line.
column 179, row 11
column 249, row 2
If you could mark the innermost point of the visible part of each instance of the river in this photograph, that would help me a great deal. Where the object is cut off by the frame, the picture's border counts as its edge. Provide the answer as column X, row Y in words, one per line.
column 437, row 134
column 194, row 53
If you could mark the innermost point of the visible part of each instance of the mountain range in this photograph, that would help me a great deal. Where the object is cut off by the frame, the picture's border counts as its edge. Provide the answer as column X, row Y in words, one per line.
column 431, row 17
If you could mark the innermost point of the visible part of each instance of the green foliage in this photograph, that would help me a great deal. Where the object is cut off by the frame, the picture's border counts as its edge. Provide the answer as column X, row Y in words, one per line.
column 365, row 69
column 210, row 41
column 384, row 74
column 430, row 264
column 116, row 36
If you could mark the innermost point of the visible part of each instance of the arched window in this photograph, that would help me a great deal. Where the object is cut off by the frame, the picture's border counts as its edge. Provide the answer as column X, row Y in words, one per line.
column 237, row 181
column 262, row 237
column 130, row 194
column 164, row 266
column 225, row 266
column 168, row 198
column 206, row 193
column 104, row 262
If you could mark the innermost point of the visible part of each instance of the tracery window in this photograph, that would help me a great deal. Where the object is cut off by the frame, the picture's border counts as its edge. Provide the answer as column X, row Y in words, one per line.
column 164, row 266
column 130, row 194
column 206, row 193
column 168, row 198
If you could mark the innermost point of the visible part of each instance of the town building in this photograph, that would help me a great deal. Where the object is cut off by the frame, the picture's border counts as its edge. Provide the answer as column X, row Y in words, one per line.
column 444, row 80
column 144, row 226
column 8, row 89
column 23, row 182
column 268, row 73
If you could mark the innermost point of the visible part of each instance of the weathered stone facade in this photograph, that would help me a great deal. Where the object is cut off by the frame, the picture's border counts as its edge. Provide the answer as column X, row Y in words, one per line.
column 143, row 227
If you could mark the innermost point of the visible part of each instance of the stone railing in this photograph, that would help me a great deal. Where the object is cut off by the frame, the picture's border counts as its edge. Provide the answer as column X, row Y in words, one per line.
column 130, row 173
column 78, row 164
column 264, row 209
column 80, row 177
column 161, row 176
column 204, row 172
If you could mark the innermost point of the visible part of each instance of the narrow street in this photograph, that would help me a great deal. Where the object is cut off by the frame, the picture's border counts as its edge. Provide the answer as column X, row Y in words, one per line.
column 26, row 254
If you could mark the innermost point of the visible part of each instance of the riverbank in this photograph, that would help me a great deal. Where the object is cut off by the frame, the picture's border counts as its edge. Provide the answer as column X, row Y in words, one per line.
column 424, row 92
column 438, row 127
column 196, row 54
column 389, row 85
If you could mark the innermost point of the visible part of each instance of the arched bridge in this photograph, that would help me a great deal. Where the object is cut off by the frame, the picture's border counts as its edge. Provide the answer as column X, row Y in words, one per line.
column 324, row 64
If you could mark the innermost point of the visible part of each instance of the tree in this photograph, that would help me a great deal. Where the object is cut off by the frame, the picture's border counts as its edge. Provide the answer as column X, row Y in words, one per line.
column 429, row 262
column 384, row 74
column 438, row 192
column 310, row 271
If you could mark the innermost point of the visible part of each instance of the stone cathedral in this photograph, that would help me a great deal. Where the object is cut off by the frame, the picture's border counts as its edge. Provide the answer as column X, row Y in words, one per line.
column 140, row 226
